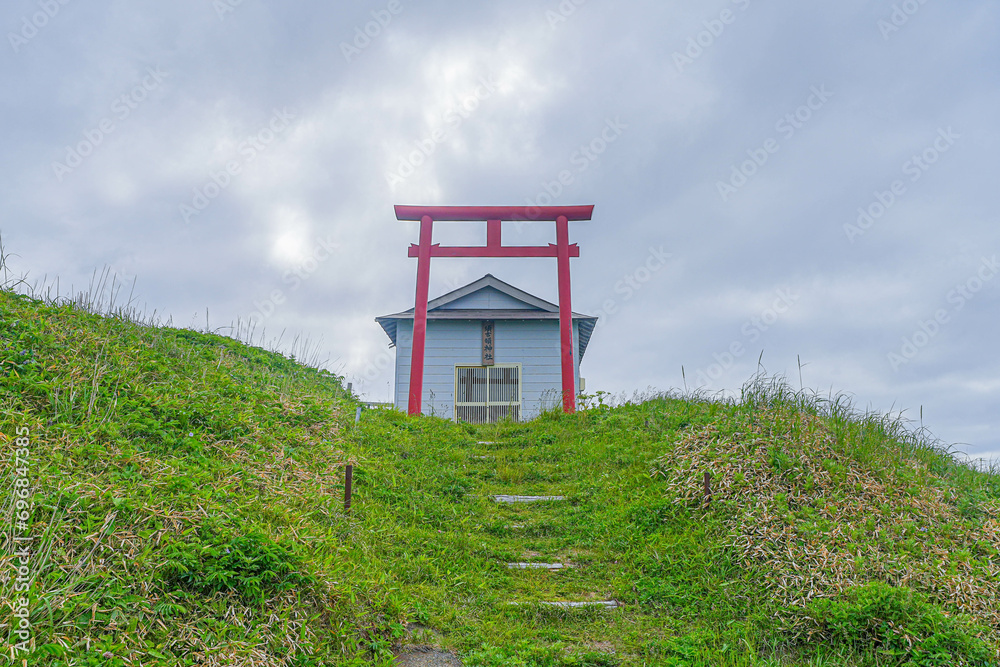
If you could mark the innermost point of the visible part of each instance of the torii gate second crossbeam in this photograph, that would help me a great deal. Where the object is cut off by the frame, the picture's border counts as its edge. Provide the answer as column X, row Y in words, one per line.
column 494, row 216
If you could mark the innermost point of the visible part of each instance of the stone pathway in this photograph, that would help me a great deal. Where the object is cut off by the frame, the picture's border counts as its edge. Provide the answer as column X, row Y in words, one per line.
column 551, row 567
column 428, row 656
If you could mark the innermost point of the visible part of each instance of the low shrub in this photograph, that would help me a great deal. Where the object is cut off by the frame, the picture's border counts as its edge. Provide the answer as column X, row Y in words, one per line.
column 899, row 626
column 251, row 566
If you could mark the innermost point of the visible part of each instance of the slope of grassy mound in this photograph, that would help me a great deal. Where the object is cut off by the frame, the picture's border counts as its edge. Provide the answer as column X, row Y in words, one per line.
column 184, row 506
column 830, row 507
column 153, row 454
column 820, row 517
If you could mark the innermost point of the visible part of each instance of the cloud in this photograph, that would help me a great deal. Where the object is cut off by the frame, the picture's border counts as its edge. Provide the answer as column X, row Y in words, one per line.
column 489, row 104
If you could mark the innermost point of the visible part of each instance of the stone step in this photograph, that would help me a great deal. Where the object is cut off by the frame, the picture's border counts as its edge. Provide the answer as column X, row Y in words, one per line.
column 486, row 442
column 606, row 604
column 526, row 499
column 536, row 566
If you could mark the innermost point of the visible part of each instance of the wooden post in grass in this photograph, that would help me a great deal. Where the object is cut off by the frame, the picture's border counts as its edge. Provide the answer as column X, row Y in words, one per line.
column 357, row 415
column 348, row 479
column 708, row 487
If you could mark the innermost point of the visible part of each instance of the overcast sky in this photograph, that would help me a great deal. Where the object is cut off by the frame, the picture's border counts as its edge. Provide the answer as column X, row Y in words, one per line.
column 802, row 180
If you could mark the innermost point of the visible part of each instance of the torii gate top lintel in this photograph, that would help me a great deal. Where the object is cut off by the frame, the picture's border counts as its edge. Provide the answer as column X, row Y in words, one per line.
column 562, row 250
column 505, row 213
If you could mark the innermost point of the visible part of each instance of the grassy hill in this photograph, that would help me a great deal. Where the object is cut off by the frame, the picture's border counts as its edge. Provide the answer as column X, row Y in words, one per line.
column 183, row 505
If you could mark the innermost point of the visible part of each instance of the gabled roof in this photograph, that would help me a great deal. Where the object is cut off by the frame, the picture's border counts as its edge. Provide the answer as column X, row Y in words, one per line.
column 491, row 281
column 512, row 304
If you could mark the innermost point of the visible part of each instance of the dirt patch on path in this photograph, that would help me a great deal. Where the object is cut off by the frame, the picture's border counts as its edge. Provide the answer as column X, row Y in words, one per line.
column 421, row 649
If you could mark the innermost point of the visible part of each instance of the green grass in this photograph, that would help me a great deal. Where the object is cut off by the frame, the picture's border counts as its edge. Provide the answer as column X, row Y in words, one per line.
column 188, row 509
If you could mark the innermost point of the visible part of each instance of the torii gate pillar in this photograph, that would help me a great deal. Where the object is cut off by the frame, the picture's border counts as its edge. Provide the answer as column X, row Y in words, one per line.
column 494, row 216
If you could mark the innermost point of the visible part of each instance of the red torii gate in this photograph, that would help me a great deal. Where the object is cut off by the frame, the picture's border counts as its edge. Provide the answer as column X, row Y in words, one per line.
column 562, row 250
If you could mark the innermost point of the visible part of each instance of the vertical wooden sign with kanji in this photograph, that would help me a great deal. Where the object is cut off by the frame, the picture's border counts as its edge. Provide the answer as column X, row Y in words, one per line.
column 488, row 343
